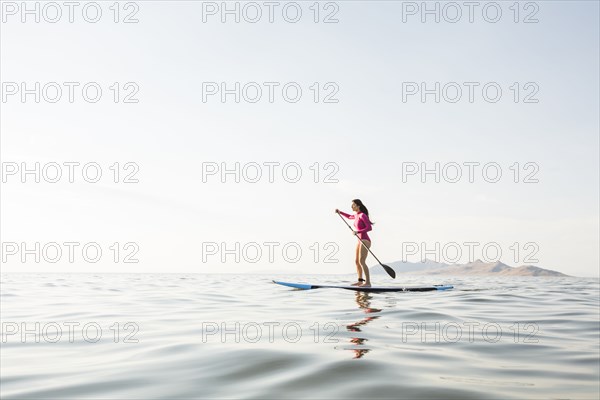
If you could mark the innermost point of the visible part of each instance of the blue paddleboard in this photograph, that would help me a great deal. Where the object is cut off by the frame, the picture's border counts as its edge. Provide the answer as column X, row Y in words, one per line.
column 307, row 286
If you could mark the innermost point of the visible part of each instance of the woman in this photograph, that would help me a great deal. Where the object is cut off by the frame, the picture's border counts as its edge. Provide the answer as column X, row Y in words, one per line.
column 362, row 223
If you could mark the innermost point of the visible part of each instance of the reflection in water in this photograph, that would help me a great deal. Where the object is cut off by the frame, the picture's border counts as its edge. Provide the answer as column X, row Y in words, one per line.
column 363, row 301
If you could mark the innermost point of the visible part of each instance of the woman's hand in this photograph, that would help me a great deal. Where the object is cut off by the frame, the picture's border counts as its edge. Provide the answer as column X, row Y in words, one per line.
column 354, row 232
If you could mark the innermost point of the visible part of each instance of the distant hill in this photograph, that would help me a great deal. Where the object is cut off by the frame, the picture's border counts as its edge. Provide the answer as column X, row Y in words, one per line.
column 530, row 270
column 475, row 268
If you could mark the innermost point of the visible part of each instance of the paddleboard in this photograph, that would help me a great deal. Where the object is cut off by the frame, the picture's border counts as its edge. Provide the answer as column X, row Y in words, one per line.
column 307, row 286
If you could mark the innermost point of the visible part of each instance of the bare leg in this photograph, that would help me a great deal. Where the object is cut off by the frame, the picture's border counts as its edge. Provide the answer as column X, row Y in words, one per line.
column 363, row 253
column 359, row 269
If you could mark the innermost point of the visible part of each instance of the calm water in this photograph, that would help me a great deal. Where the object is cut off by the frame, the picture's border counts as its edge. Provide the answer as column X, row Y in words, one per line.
column 221, row 336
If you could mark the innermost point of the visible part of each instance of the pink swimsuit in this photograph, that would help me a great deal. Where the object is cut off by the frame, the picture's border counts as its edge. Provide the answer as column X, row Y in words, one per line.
column 362, row 224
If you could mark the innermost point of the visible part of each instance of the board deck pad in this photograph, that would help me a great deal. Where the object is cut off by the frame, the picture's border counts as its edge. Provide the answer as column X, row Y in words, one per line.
column 307, row 286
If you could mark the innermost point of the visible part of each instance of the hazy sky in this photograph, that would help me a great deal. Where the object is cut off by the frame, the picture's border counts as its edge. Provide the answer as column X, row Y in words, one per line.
column 364, row 128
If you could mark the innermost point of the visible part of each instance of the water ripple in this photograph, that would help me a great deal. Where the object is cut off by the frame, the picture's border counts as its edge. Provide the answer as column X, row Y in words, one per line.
column 222, row 336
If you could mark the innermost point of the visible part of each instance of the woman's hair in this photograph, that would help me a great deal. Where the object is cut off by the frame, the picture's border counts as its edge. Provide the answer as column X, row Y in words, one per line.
column 362, row 208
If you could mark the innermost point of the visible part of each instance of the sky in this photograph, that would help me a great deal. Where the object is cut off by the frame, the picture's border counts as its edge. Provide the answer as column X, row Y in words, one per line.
column 347, row 109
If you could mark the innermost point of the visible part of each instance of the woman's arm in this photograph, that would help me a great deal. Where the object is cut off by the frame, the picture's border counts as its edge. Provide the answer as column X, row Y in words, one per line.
column 365, row 219
column 347, row 215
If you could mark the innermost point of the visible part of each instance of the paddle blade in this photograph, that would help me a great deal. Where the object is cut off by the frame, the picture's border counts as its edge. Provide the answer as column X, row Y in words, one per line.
column 389, row 270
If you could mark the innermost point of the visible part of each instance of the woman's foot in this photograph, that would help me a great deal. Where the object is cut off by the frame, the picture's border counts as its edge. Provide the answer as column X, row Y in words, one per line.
column 359, row 283
column 365, row 284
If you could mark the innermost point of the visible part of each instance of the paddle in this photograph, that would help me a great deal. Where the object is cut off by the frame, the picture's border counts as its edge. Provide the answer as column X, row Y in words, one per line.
column 387, row 269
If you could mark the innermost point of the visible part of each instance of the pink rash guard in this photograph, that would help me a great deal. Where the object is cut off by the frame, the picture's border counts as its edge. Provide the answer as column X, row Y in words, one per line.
column 362, row 224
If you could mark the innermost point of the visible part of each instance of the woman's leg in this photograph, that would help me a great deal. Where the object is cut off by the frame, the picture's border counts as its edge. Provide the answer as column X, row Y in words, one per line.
column 363, row 253
column 358, row 265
